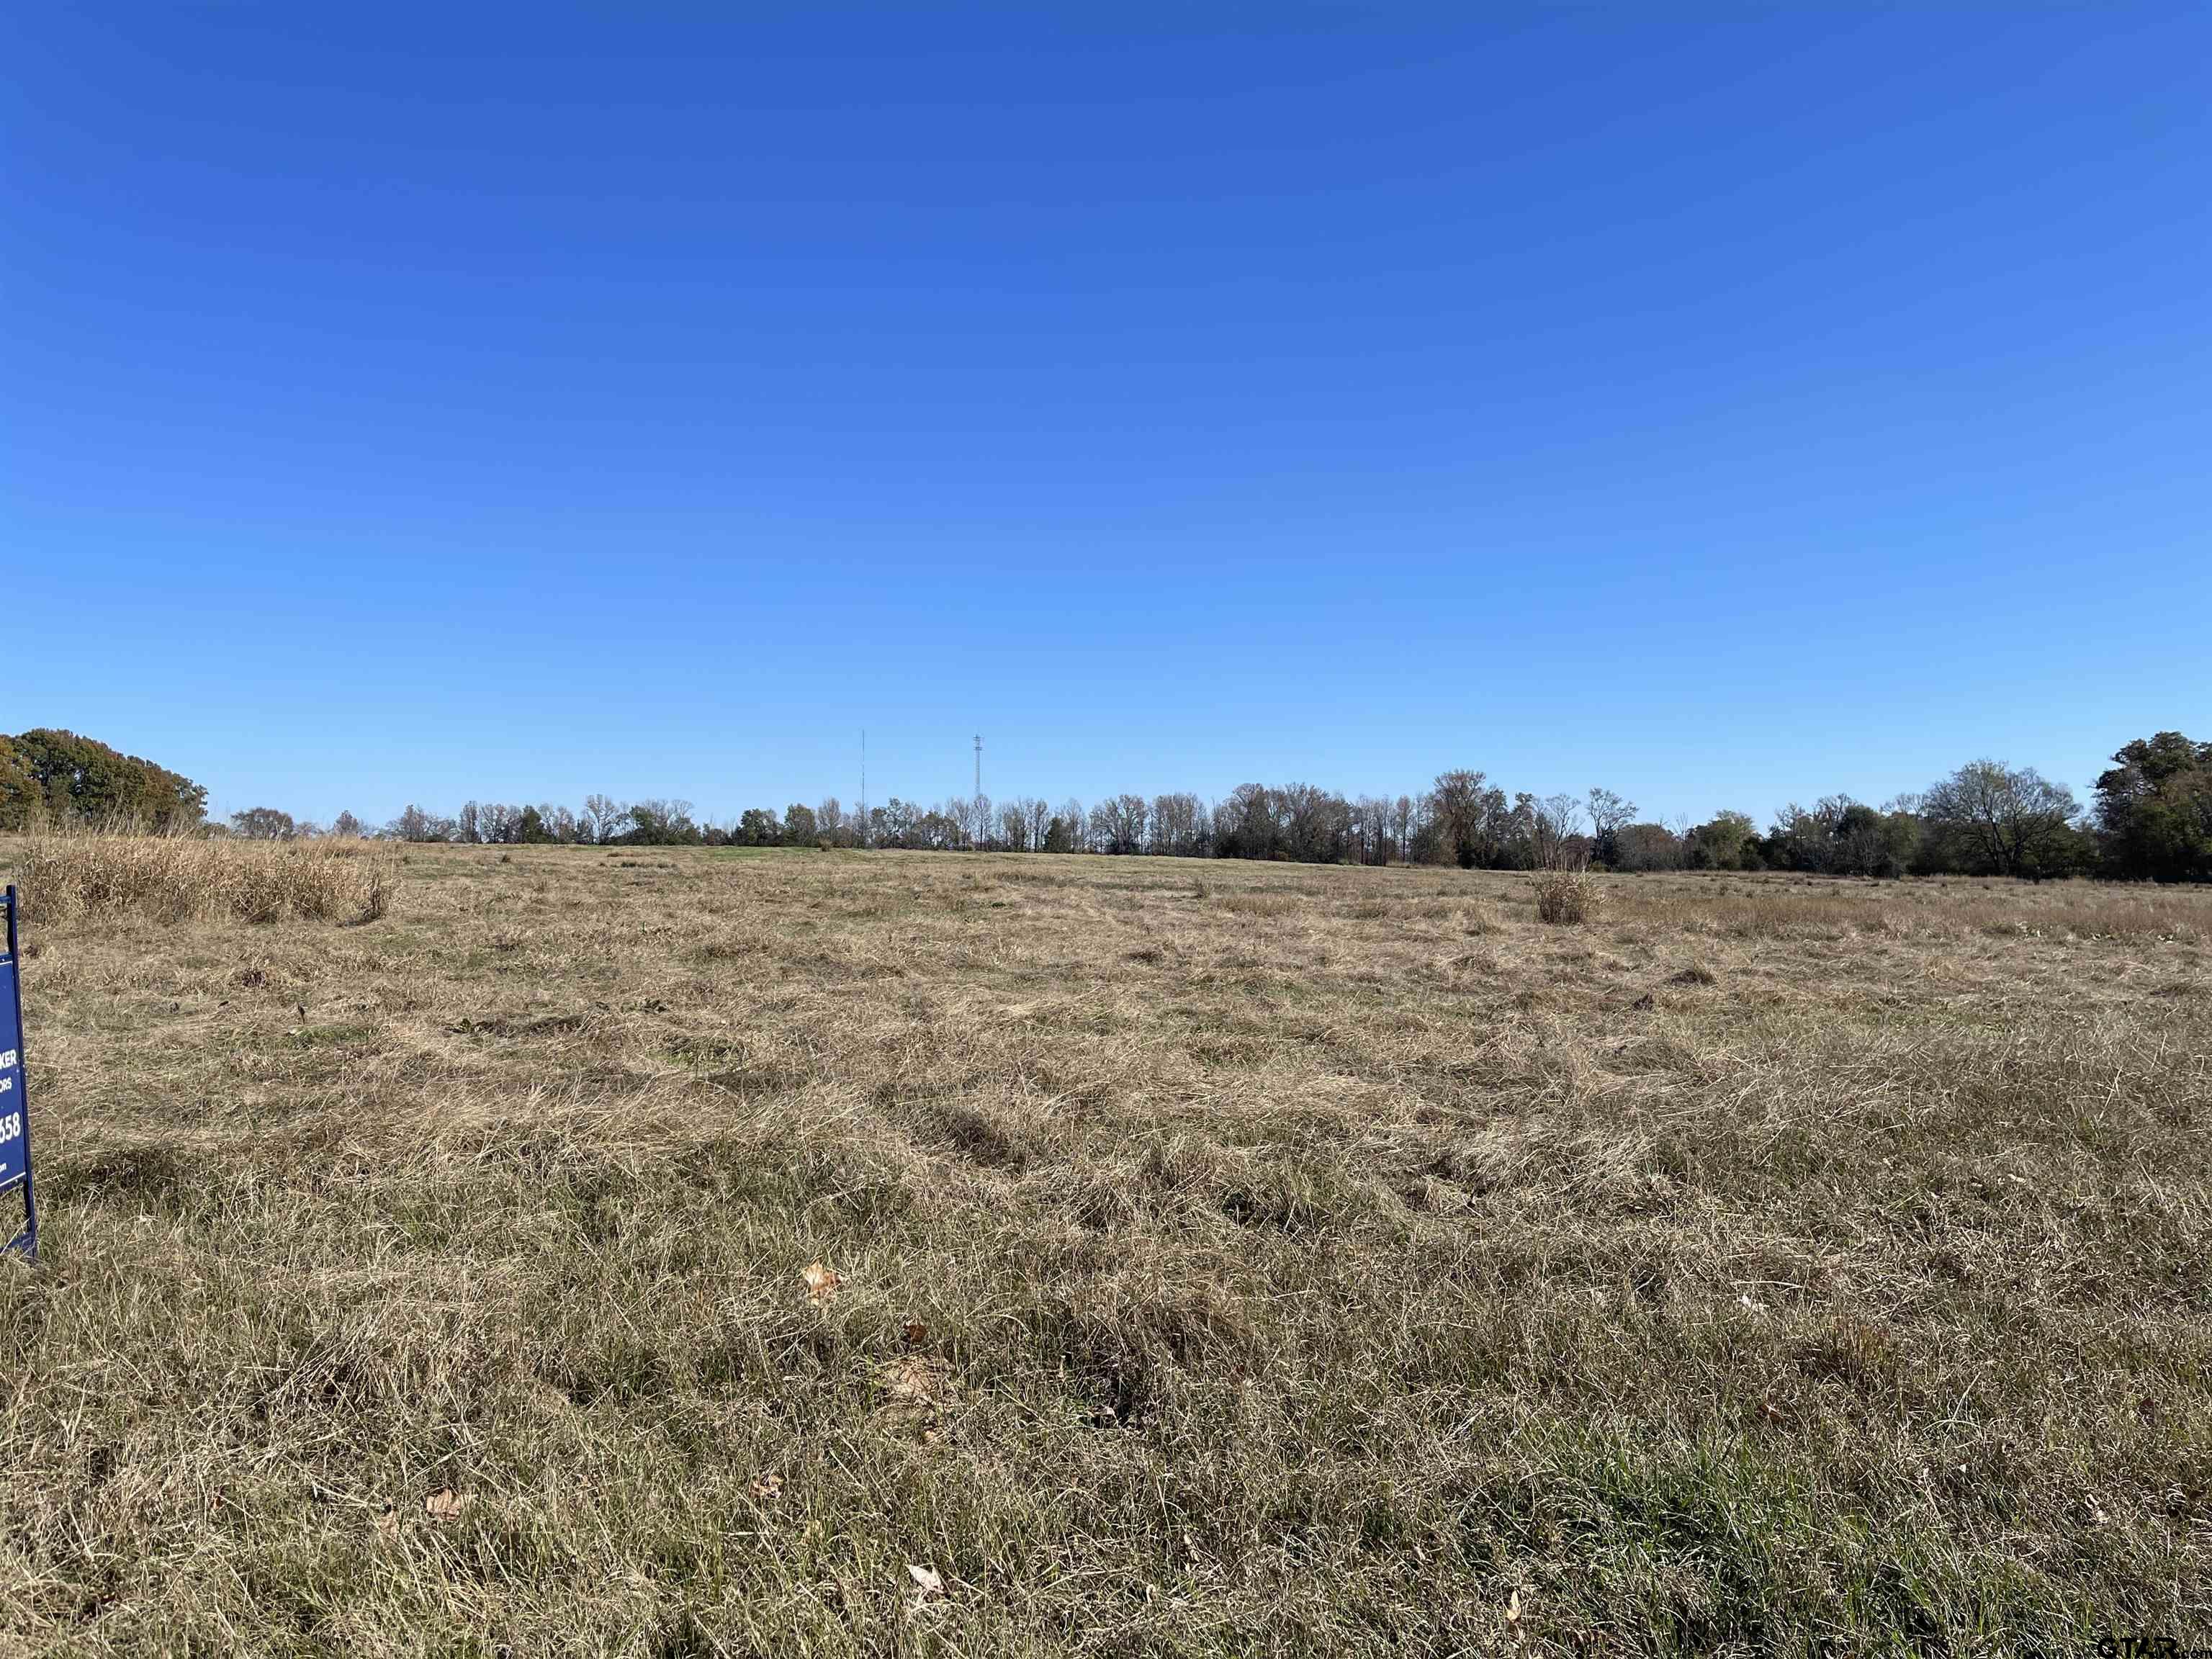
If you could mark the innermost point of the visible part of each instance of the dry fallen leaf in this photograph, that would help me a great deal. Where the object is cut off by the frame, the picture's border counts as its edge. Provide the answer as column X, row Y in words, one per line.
column 917, row 1388
column 443, row 1505
column 915, row 1377
column 822, row 1282
column 768, row 1486
column 916, row 1334
column 388, row 1521
column 927, row 1581
column 1513, row 1609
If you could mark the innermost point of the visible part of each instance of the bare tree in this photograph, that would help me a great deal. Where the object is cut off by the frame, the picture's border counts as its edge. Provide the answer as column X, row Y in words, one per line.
column 1078, row 826
column 413, row 823
column 1098, row 829
column 1131, row 813
column 1173, row 830
column 1554, row 826
column 498, row 823
column 1316, row 823
column 1254, row 823
column 1609, row 813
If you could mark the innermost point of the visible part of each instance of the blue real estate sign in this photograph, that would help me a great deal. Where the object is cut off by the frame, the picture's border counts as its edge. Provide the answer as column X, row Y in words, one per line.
column 15, row 1118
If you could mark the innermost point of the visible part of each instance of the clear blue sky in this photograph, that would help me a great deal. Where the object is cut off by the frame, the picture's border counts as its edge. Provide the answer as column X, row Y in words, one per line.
column 1726, row 404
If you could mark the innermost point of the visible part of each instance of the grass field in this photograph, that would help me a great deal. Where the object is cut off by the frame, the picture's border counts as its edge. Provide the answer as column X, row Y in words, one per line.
column 669, row 1253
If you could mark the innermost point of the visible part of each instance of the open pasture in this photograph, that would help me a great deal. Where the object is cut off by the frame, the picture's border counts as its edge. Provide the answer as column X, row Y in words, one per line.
column 650, row 1252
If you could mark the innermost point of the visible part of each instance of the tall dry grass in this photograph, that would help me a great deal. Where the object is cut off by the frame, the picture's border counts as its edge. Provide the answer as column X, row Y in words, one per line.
column 71, row 873
column 1566, row 897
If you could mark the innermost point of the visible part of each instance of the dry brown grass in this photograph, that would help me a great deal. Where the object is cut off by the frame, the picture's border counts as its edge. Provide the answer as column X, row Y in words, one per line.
column 1215, row 1259
column 75, row 873
column 1566, row 897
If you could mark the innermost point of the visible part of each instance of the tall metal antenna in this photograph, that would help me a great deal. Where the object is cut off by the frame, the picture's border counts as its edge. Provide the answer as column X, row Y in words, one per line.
column 979, row 766
column 863, row 836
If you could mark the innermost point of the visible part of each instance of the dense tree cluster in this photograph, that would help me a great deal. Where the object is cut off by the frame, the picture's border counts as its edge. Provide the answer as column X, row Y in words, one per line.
column 2154, row 810
column 48, row 777
column 2152, row 821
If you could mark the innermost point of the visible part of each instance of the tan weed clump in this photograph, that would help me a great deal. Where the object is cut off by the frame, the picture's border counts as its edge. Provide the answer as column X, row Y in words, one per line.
column 1565, row 897
column 69, row 874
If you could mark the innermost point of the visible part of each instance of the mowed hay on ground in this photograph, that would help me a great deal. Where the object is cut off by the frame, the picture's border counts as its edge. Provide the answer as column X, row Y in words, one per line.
column 674, row 1253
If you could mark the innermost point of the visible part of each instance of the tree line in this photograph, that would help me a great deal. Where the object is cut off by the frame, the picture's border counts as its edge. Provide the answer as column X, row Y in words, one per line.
column 2151, row 820
column 50, row 776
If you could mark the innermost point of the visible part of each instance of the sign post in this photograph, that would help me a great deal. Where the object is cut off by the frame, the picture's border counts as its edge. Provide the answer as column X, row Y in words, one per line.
column 14, row 1114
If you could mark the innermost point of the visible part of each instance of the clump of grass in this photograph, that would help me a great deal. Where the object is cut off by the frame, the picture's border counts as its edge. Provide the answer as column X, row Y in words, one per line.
column 1257, row 903
column 1566, row 897
column 75, row 873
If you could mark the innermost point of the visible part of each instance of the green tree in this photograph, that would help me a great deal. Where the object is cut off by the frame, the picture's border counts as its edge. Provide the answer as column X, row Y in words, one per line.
column 77, row 778
column 1639, row 847
column 1840, row 836
column 1729, row 842
column 1246, row 825
column 1994, row 820
column 2154, row 810
column 662, row 823
column 1467, row 823
column 21, row 802
column 264, row 823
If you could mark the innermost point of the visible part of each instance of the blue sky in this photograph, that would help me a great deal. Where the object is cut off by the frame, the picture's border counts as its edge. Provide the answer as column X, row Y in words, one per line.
column 1727, row 405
